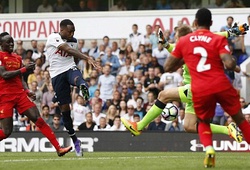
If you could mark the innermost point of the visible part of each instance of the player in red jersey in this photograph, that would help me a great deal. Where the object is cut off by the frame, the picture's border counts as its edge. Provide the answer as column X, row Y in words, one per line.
column 15, row 94
column 206, row 54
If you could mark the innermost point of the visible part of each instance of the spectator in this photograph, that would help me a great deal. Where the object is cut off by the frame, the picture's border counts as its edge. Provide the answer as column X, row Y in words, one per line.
column 21, row 51
column 61, row 6
column 129, row 50
column 135, row 38
column 149, row 32
column 117, row 126
column 230, row 21
column 118, row 85
column 136, row 118
column 138, row 77
column 170, row 80
column 131, row 86
column 111, row 60
column 194, row 4
column 92, row 88
column 106, row 83
column 106, row 42
column 97, row 113
column 111, row 113
column 133, row 100
column 81, row 48
column 82, row 6
column 154, row 37
column 127, row 68
column 130, row 114
column 155, row 64
column 48, row 100
column 38, row 93
column 163, row 5
column 123, row 108
column 44, row 84
column 122, row 58
column 181, row 115
column 125, row 95
column 151, row 100
column 243, row 103
column 139, row 110
column 102, row 126
column 174, row 126
column 34, row 45
column 93, row 51
column 151, row 83
column 246, row 40
column 178, row 4
column 95, row 99
column 161, row 54
column 32, row 77
column 142, row 49
column 120, row 6
column 142, row 94
column 123, row 43
column 78, row 109
column 115, row 49
column 116, row 99
column 234, row 4
column 89, row 124
column 217, row 4
column 143, row 65
column 57, row 126
column 46, row 116
column 145, row 5
column 45, row 7
column 157, row 124
column 219, row 117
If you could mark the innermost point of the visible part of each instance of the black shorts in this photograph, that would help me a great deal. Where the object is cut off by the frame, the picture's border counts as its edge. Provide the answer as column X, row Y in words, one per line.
column 62, row 85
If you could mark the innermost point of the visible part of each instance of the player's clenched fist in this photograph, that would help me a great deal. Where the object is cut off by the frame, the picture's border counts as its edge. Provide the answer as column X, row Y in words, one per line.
column 30, row 66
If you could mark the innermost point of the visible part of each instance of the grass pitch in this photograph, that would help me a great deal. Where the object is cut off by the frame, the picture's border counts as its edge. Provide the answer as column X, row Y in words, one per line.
column 122, row 161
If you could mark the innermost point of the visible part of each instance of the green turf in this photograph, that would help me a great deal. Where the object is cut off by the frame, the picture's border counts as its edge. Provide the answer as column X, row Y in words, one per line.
column 121, row 161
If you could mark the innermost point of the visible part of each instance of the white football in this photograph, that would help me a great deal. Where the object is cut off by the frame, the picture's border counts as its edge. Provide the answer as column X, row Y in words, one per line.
column 170, row 112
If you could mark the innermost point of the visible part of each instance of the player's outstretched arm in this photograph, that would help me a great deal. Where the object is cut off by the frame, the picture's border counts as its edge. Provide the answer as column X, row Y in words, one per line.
column 229, row 61
column 235, row 31
column 10, row 74
column 172, row 63
column 73, row 52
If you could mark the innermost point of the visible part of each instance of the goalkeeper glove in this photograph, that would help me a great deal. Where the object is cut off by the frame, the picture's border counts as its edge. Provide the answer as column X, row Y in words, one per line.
column 238, row 30
column 162, row 39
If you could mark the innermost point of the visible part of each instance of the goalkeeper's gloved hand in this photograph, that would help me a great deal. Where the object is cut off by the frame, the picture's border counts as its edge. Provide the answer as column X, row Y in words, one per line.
column 238, row 30
column 162, row 39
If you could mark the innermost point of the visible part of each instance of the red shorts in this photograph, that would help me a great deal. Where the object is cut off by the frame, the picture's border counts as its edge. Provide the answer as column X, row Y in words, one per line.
column 19, row 101
column 204, row 106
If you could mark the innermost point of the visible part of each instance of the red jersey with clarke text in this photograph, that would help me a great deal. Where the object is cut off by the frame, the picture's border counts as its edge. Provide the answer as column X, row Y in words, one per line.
column 10, row 62
column 201, row 52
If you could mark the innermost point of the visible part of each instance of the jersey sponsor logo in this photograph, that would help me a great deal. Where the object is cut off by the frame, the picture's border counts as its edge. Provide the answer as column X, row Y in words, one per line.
column 62, row 53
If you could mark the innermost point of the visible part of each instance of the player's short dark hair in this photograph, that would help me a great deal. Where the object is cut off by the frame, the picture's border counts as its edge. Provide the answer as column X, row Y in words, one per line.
column 2, row 35
column 66, row 22
column 184, row 30
column 203, row 17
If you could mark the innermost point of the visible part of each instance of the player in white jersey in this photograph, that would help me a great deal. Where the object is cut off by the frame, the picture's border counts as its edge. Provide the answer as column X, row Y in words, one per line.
column 61, row 49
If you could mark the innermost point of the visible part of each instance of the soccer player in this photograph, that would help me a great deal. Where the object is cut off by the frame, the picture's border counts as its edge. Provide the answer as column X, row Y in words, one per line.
column 184, row 94
column 14, row 93
column 206, row 55
column 61, row 49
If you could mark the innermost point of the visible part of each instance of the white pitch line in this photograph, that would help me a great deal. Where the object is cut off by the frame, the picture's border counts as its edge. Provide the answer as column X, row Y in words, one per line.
column 93, row 158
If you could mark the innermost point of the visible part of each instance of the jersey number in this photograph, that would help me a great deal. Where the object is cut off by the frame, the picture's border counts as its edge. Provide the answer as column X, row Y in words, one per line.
column 201, row 65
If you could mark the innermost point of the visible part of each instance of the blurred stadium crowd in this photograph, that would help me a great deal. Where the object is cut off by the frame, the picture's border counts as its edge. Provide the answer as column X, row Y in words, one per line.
column 131, row 78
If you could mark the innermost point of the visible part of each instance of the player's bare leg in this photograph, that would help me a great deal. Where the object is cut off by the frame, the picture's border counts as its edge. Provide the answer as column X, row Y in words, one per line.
column 6, row 127
column 34, row 115
column 164, row 97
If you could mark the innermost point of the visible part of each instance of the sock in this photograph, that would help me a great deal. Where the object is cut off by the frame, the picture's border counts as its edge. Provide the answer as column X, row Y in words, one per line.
column 153, row 112
column 68, row 123
column 46, row 131
column 2, row 135
column 219, row 129
column 245, row 129
column 205, row 134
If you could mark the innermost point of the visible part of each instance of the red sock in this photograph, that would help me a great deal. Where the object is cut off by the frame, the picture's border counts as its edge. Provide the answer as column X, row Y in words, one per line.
column 245, row 129
column 205, row 134
column 46, row 131
column 2, row 135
